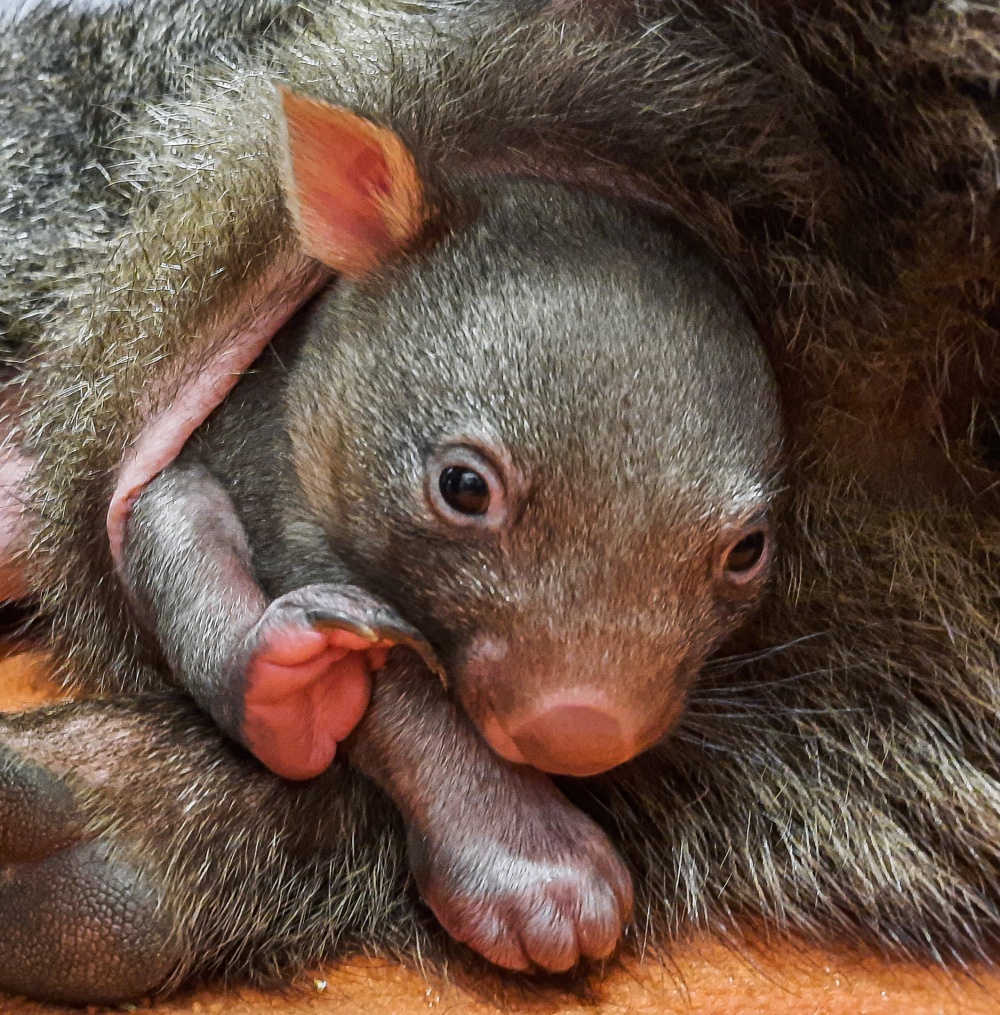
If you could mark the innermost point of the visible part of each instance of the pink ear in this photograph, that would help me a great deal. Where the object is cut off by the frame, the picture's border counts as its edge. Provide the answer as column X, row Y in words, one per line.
column 352, row 187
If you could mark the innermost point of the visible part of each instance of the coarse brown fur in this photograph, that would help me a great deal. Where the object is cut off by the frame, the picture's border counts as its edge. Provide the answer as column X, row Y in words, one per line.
column 837, row 770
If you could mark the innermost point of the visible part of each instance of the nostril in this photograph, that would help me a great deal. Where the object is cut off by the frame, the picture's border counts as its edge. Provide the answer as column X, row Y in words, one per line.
column 574, row 740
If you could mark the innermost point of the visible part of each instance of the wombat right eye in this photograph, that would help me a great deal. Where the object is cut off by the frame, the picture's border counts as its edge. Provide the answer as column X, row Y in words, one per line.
column 464, row 490
column 467, row 486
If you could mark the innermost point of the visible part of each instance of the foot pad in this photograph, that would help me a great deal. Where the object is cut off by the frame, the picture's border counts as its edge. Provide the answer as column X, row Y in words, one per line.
column 308, row 668
column 306, row 691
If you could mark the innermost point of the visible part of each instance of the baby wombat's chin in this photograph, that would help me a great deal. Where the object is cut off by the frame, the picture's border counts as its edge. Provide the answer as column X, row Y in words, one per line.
column 575, row 732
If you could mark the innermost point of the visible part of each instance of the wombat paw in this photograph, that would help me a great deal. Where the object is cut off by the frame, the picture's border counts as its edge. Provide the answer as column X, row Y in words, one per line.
column 562, row 894
column 306, row 667
column 79, row 922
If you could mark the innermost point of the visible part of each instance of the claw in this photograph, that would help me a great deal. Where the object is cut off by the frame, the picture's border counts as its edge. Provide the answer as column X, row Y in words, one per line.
column 376, row 622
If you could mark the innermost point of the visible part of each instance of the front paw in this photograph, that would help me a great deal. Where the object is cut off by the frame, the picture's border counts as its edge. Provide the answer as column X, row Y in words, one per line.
column 305, row 671
column 548, row 891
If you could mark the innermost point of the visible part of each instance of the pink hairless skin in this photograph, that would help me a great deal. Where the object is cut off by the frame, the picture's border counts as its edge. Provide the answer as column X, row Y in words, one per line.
column 15, row 522
column 235, row 343
column 14, row 525
column 306, row 689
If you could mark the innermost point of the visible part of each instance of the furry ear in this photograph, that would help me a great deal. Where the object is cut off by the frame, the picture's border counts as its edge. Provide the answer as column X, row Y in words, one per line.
column 352, row 187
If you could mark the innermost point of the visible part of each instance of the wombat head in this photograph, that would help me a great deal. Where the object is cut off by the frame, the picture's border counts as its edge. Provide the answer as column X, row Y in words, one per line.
column 550, row 439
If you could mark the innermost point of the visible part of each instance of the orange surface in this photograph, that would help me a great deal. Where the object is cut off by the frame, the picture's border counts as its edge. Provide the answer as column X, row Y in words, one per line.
column 701, row 978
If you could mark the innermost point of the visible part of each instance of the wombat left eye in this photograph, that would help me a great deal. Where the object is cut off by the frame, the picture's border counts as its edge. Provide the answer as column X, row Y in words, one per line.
column 744, row 556
column 464, row 490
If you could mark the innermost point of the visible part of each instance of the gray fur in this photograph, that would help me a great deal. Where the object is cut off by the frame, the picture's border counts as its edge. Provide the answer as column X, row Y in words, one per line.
column 66, row 187
column 837, row 774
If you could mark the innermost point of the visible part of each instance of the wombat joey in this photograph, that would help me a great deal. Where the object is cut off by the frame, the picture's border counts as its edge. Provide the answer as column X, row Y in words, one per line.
column 524, row 447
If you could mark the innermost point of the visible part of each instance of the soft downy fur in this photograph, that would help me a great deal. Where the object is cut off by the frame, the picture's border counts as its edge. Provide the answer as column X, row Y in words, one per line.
column 837, row 768
column 69, row 81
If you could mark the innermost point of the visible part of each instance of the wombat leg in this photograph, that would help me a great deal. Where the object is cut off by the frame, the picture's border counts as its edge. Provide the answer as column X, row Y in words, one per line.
column 79, row 918
column 506, row 863
column 288, row 679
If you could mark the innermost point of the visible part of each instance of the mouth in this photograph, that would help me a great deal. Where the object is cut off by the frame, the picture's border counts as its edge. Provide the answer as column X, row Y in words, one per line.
column 499, row 739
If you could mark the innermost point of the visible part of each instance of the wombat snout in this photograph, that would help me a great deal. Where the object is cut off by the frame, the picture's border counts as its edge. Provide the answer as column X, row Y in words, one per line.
column 576, row 732
column 573, row 736
column 545, row 705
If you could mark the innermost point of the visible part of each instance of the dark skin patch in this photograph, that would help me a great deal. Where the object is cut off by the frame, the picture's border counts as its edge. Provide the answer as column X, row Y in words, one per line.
column 79, row 917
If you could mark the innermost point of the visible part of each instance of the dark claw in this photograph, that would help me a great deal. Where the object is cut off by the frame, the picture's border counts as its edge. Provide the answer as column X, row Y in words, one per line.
column 349, row 608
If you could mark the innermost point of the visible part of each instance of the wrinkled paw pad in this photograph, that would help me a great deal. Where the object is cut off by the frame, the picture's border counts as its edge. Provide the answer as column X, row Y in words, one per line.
column 84, row 926
column 306, row 691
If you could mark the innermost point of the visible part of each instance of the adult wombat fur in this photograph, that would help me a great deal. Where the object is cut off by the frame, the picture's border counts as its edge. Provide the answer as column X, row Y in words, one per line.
column 835, row 768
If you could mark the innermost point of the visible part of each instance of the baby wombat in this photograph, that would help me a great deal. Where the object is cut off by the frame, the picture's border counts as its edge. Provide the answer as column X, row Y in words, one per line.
column 533, row 438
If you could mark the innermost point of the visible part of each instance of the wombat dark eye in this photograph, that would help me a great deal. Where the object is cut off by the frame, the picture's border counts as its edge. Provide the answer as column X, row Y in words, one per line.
column 468, row 485
column 464, row 490
column 746, row 554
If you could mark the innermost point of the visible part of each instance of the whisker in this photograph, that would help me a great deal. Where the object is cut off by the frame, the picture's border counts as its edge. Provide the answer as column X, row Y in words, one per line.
column 756, row 685
column 791, row 712
column 732, row 745
column 721, row 662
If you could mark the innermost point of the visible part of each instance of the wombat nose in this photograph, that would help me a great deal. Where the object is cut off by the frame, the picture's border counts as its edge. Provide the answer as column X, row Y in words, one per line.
column 573, row 739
